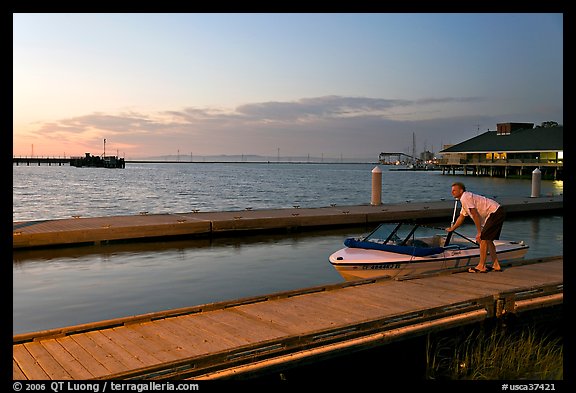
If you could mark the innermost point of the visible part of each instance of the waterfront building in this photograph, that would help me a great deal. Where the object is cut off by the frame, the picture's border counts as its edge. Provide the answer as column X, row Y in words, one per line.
column 513, row 149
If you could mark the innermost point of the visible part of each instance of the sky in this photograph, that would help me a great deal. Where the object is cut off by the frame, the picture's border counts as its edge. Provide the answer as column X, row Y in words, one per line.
column 342, row 85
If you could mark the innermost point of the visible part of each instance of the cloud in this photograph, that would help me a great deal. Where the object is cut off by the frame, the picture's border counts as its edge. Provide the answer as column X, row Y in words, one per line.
column 447, row 100
column 360, row 126
column 115, row 124
column 319, row 107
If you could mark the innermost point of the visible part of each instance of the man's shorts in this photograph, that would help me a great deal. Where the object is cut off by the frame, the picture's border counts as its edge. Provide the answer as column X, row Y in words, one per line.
column 493, row 226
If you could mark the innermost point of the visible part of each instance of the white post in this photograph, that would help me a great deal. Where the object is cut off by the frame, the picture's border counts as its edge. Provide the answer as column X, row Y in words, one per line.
column 376, row 186
column 536, row 180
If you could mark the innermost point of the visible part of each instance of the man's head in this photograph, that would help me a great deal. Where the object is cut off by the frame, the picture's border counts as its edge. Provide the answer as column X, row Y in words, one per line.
column 458, row 189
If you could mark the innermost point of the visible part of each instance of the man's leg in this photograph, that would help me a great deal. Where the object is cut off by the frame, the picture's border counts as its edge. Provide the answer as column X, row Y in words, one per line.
column 483, row 254
column 493, row 255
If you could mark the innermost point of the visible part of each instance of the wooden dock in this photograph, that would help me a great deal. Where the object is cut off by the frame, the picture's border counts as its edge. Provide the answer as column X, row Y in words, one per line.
column 95, row 230
column 251, row 335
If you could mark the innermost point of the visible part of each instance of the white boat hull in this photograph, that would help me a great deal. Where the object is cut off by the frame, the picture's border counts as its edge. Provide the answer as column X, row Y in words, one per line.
column 358, row 263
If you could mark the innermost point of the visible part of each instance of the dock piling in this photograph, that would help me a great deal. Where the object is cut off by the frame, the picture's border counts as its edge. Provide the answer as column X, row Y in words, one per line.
column 376, row 186
column 536, row 182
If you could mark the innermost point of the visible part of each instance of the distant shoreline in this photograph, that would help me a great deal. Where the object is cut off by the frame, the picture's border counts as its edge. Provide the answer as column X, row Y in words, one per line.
column 244, row 162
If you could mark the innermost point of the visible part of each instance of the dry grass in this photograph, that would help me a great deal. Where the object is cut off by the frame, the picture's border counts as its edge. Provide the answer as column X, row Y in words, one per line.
column 496, row 355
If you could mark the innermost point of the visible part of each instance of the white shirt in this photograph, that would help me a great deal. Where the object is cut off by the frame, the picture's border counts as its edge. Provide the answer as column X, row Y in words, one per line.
column 484, row 206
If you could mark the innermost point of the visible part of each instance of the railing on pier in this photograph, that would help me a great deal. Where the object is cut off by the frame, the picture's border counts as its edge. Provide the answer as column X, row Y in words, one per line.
column 89, row 161
column 40, row 160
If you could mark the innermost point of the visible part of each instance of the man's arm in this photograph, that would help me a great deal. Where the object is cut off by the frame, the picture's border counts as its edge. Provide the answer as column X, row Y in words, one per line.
column 458, row 222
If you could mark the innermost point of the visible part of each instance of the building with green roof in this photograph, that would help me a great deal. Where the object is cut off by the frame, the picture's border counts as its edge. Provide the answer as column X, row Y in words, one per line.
column 514, row 149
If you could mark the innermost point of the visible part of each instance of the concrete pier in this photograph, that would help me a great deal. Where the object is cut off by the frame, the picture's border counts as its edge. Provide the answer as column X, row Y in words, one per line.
column 96, row 230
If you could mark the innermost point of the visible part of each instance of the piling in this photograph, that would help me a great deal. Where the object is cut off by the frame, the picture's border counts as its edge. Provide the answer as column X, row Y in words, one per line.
column 376, row 186
column 536, row 182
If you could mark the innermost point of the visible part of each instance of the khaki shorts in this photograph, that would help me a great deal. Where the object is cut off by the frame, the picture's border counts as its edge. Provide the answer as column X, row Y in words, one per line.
column 493, row 226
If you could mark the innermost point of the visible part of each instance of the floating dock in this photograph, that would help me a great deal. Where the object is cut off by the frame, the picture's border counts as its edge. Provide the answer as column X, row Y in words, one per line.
column 250, row 336
column 97, row 230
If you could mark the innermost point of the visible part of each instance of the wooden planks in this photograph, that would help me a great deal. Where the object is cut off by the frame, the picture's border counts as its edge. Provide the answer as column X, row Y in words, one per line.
column 25, row 364
column 247, row 329
column 244, row 333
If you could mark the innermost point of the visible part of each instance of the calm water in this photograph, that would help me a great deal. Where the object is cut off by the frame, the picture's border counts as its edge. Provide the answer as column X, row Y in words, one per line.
column 48, row 192
column 54, row 288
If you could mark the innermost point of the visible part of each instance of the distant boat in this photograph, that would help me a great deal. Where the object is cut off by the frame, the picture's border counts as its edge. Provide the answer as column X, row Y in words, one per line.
column 418, row 167
column 97, row 161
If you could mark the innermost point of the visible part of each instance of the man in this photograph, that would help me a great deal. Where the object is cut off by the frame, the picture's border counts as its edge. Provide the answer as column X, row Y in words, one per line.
column 488, row 216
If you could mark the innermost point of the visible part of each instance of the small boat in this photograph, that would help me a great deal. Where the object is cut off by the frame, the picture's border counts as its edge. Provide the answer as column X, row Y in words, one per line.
column 399, row 249
column 418, row 167
column 97, row 162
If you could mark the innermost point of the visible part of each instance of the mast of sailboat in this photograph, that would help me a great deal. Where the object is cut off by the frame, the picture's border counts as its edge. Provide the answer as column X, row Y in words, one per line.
column 414, row 148
column 104, row 154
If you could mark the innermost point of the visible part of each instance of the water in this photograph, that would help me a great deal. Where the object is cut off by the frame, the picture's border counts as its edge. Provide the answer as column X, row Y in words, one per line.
column 55, row 288
column 49, row 192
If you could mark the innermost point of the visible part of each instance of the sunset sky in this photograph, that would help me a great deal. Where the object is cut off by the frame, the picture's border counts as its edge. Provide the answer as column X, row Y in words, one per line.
column 336, row 85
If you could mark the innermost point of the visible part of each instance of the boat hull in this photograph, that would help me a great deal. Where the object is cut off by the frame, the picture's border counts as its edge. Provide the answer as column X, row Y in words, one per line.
column 356, row 263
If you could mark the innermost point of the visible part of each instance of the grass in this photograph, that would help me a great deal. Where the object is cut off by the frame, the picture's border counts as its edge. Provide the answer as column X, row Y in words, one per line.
column 499, row 354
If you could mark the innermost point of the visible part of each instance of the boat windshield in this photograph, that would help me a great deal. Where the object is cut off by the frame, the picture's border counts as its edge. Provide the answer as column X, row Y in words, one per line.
column 408, row 234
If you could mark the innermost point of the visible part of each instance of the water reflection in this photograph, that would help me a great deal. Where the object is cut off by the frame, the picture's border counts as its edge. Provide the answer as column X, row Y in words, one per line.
column 117, row 249
column 535, row 226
